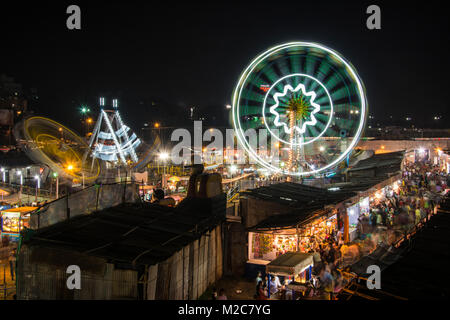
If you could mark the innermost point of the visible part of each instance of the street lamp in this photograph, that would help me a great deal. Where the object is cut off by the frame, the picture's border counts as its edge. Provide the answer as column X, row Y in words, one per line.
column 55, row 175
column 21, row 182
column 38, row 185
column 164, row 156
column 21, row 177
column 233, row 170
column 85, row 109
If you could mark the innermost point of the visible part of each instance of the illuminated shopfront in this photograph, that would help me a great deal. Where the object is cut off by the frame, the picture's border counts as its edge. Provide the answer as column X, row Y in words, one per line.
column 13, row 220
column 268, row 245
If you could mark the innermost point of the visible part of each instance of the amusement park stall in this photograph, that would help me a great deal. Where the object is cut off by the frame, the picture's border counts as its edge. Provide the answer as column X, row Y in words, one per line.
column 309, row 218
column 13, row 220
column 295, row 268
column 277, row 236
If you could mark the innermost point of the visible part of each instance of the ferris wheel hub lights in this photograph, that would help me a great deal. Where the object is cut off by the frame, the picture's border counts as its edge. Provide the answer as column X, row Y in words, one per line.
column 301, row 88
column 313, row 122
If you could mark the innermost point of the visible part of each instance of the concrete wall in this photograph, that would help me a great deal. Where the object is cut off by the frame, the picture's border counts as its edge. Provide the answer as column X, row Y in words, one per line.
column 190, row 271
column 380, row 146
column 41, row 275
column 255, row 210
column 235, row 249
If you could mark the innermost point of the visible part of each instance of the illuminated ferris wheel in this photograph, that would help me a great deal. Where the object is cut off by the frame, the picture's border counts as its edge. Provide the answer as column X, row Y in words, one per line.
column 308, row 100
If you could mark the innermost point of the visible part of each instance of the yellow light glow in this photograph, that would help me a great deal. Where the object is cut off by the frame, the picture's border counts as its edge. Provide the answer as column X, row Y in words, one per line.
column 70, row 167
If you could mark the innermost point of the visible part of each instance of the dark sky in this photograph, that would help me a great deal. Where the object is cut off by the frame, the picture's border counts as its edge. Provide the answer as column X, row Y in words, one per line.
column 187, row 53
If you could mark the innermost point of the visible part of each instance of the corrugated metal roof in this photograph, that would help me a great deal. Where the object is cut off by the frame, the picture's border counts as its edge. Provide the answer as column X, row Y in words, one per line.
column 134, row 233
column 290, row 263
column 391, row 159
column 299, row 195
column 298, row 217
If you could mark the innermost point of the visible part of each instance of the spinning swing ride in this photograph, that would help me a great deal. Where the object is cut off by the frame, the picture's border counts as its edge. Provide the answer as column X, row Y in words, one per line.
column 69, row 156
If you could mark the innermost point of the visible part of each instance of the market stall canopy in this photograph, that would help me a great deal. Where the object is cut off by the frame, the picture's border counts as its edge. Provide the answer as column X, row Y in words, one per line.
column 298, row 195
column 296, row 218
column 21, row 209
column 290, row 263
column 375, row 169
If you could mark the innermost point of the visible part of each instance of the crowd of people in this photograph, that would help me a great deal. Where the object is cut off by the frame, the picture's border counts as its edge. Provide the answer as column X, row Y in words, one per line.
column 414, row 198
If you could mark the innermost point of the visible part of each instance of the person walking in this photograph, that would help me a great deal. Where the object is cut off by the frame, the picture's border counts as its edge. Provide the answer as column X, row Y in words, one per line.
column 222, row 295
column 417, row 215
column 258, row 278
column 214, row 294
column 12, row 263
column 260, row 295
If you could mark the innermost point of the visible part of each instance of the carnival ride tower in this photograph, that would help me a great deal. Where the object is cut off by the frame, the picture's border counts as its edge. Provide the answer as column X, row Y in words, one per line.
column 111, row 139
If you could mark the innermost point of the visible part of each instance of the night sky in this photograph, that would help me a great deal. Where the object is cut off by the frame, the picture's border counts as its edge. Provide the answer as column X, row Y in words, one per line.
column 160, row 60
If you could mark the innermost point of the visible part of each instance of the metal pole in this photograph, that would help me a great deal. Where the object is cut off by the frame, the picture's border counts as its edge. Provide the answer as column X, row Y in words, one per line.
column 57, row 187
column 20, row 192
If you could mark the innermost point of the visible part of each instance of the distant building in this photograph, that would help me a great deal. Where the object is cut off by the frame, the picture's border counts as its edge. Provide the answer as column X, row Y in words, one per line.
column 13, row 105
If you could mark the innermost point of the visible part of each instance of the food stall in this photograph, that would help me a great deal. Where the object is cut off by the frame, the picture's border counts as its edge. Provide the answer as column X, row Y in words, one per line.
column 177, row 184
column 269, row 245
column 13, row 220
column 296, row 267
column 364, row 206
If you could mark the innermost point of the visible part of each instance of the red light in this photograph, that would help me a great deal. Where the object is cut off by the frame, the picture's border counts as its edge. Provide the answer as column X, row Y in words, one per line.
column 264, row 87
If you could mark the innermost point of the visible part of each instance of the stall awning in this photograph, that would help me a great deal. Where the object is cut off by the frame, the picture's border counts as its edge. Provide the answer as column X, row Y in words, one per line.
column 21, row 209
column 290, row 263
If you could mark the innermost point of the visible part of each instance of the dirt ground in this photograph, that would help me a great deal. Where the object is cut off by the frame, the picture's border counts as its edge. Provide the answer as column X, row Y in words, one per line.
column 7, row 285
column 231, row 285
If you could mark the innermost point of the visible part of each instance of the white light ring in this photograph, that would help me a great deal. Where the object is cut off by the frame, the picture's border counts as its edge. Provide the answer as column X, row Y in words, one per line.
column 329, row 99
column 310, row 94
column 247, row 71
